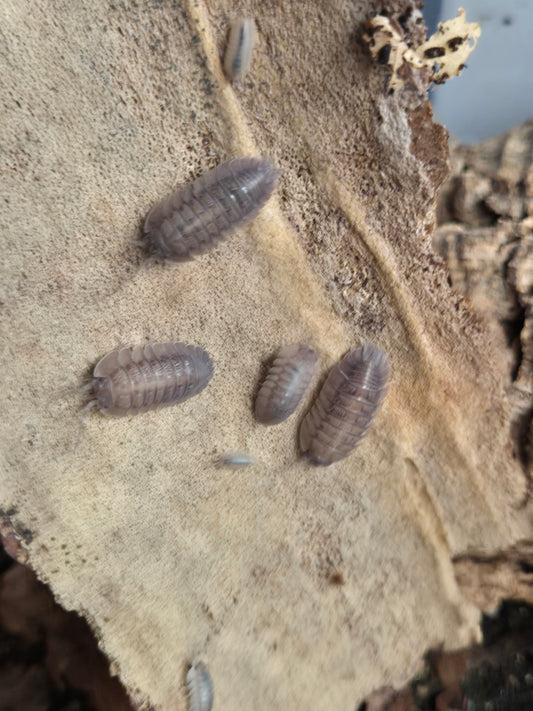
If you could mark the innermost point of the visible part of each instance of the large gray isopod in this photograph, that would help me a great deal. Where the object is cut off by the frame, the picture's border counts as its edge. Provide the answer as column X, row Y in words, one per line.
column 133, row 380
column 347, row 404
column 195, row 218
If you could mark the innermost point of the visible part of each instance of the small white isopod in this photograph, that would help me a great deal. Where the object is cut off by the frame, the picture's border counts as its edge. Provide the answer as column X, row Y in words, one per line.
column 240, row 47
column 200, row 686
column 235, row 460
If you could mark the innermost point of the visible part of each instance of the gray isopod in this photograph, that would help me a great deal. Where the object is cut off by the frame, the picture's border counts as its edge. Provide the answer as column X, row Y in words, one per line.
column 133, row 380
column 200, row 686
column 240, row 47
column 286, row 384
column 347, row 404
column 195, row 218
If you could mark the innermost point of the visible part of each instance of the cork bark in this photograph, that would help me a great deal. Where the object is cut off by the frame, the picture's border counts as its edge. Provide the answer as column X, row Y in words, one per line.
column 108, row 107
column 485, row 236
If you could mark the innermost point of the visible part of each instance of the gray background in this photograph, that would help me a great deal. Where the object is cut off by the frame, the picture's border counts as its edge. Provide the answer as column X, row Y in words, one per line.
column 495, row 91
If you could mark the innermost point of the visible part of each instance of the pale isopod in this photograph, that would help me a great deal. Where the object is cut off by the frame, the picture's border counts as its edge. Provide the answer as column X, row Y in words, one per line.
column 240, row 47
column 347, row 404
column 194, row 219
column 236, row 460
column 200, row 686
column 285, row 384
column 133, row 380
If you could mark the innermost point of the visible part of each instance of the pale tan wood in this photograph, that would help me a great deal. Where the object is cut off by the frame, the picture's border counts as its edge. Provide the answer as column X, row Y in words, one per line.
column 107, row 107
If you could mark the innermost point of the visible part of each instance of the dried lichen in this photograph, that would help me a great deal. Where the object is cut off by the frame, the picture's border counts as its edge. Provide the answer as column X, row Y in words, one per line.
column 443, row 55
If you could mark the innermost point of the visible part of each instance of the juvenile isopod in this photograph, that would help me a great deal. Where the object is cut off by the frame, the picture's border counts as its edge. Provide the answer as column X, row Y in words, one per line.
column 285, row 384
column 240, row 47
column 347, row 404
column 194, row 219
column 133, row 380
column 200, row 687
column 236, row 460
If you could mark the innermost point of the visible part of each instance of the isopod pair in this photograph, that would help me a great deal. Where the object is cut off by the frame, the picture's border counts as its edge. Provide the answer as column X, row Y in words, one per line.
column 348, row 402
column 193, row 219
column 187, row 223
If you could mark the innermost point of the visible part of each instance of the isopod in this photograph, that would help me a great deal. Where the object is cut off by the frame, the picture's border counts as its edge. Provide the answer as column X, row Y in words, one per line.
column 347, row 404
column 285, row 384
column 194, row 219
column 133, row 380
column 236, row 460
column 240, row 47
column 200, row 686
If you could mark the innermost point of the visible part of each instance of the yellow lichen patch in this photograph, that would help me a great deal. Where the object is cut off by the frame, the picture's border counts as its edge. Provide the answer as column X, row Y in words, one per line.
column 450, row 46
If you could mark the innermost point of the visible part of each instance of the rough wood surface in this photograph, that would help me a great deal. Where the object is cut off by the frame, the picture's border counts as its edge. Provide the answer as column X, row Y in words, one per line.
column 107, row 107
column 486, row 239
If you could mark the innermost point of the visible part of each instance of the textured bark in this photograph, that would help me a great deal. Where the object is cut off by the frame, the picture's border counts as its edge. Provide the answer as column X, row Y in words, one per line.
column 108, row 106
column 486, row 239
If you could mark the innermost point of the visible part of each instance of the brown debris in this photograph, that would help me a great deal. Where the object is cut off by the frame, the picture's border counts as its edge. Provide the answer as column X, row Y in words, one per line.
column 486, row 579
column 49, row 657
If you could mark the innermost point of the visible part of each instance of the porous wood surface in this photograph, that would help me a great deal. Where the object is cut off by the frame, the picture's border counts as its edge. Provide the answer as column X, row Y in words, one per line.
column 108, row 107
